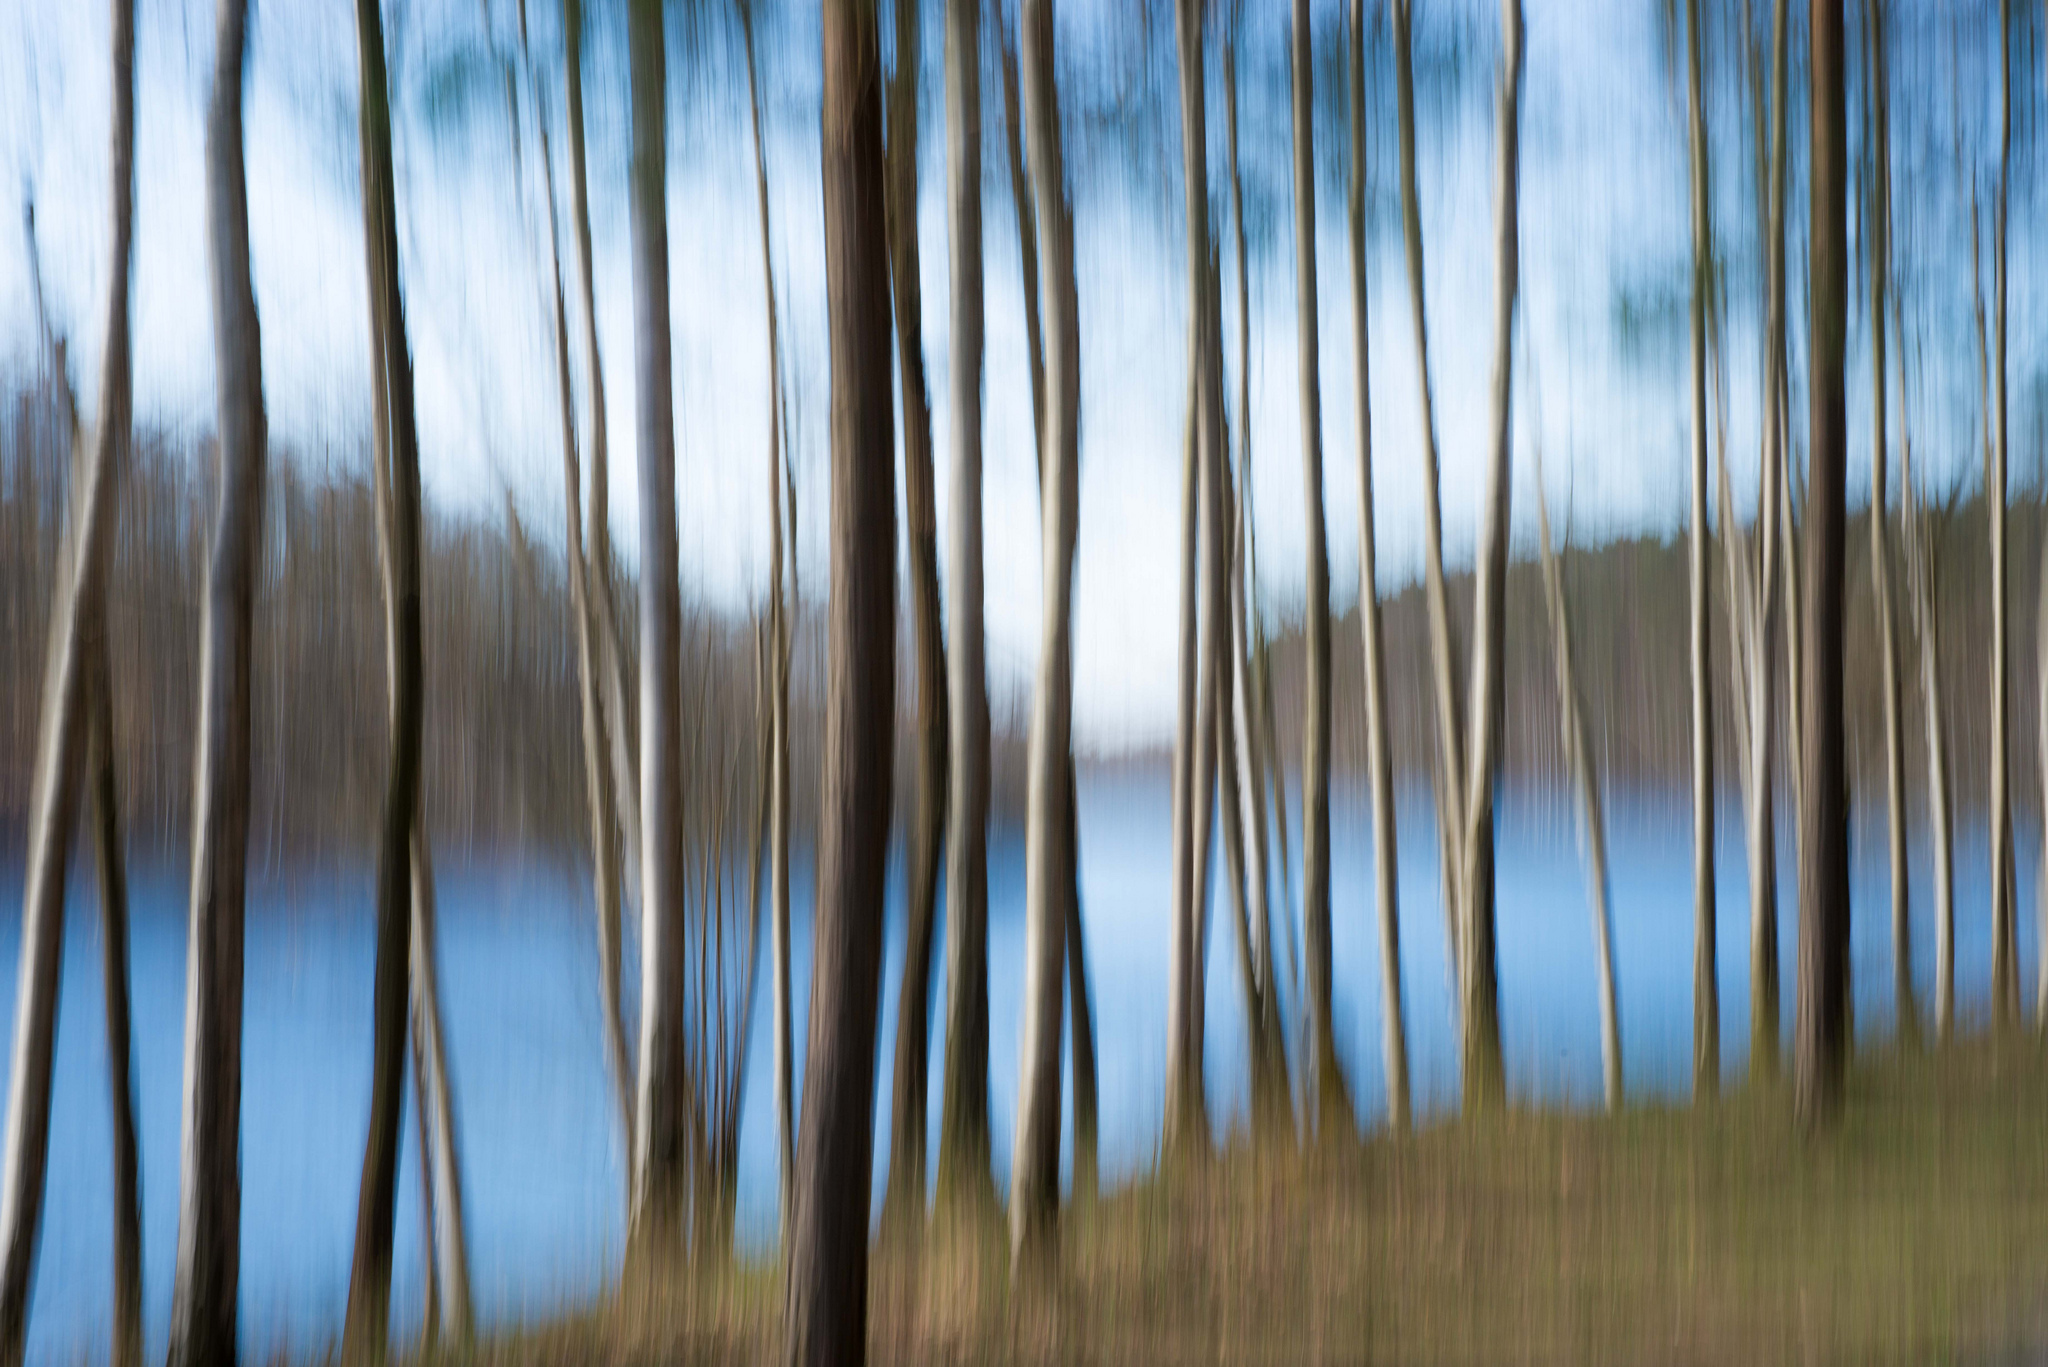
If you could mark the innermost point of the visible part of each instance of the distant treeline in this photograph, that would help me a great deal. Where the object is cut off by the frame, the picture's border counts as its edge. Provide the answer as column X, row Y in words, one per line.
column 1628, row 608
column 503, row 750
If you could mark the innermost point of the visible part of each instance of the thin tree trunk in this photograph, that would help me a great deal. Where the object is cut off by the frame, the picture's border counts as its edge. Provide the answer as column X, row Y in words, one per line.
column 1450, row 763
column 210, row 1185
column 780, row 613
column 825, row 1310
column 1212, row 620
column 2005, row 973
column 964, row 1178
column 1080, row 1016
column 396, row 451
column 597, row 777
column 1921, row 573
column 1878, row 249
column 661, row 1159
column 1706, row 988
column 74, row 670
column 1821, row 1036
column 1185, row 1106
column 905, row 1196
column 1593, row 826
column 113, row 884
column 450, row 1251
column 1331, row 1099
column 1479, row 993
column 1379, row 760
column 1035, row 1177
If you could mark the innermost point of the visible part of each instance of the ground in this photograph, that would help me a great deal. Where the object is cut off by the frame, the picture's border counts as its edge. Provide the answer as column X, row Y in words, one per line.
column 1914, row 1230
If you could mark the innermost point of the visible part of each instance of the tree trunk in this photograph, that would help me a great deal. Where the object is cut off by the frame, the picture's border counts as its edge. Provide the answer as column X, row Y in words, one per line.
column 450, row 1249
column 1185, row 1107
column 1331, row 1099
column 1921, row 573
column 210, row 1184
column 1706, row 988
column 1379, row 760
column 396, row 450
column 780, row 613
column 661, row 1158
column 1485, row 1085
column 113, row 884
column 1878, row 249
column 1578, row 753
column 2005, row 974
column 1080, row 1016
column 1821, row 1037
column 905, row 1199
column 76, row 652
column 1450, row 760
column 964, row 1177
column 825, row 1311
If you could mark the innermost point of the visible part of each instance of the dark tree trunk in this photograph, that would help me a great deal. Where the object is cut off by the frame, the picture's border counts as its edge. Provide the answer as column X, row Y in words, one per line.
column 825, row 1310
column 1821, row 1037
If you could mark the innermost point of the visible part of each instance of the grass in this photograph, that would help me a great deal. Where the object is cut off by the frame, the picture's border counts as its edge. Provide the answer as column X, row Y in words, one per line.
column 1915, row 1230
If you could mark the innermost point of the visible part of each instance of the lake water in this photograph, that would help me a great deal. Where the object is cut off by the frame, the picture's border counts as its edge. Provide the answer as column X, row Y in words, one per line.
column 540, row 1150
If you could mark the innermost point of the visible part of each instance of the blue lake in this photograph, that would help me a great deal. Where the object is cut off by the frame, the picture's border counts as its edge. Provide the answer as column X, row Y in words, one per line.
column 540, row 1149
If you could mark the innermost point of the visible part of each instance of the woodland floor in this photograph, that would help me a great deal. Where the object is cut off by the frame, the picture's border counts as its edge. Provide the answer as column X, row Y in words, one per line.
column 1915, row 1230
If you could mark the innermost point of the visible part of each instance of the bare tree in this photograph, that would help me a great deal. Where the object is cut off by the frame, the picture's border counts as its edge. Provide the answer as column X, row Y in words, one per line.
column 2005, row 973
column 210, row 1185
column 1331, row 1099
column 904, row 1201
column 1379, row 760
column 113, row 885
column 1185, row 1107
column 825, row 1310
column 1821, row 1034
column 1578, row 752
column 661, row 1160
column 73, row 730
column 1706, row 989
column 1034, row 1187
column 395, row 451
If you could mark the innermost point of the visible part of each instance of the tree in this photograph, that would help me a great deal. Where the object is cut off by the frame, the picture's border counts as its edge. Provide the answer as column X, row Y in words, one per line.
column 1878, row 210
column 2005, row 972
column 825, row 1307
column 1332, row 1102
column 74, row 721
column 905, row 1197
column 1379, row 760
column 1034, row 1188
column 1706, row 988
column 1821, row 1033
column 400, row 888
column 210, row 1186
column 1185, row 1106
column 661, row 1159
column 1578, row 753
column 586, row 575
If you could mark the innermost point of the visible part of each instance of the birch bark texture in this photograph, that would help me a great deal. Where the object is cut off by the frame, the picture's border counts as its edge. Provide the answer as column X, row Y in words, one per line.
column 825, row 1305
column 210, row 1185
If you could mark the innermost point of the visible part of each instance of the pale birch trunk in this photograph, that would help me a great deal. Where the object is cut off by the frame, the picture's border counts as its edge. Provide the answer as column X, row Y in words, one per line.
column 1578, row 754
column 1186, row 1118
column 210, row 1185
column 904, row 1201
column 395, row 450
column 1035, row 1178
column 1485, row 1084
column 825, row 1308
column 1448, row 771
column 440, row 1150
column 1706, row 989
column 73, row 695
column 661, row 1168
column 780, row 613
column 1379, row 760
column 1330, row 1098
column 1878, row 249
column 1921, row 584
column 2005, row 972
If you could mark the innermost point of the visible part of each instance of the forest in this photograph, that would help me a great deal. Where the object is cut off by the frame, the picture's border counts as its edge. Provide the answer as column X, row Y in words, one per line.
column 718, row 728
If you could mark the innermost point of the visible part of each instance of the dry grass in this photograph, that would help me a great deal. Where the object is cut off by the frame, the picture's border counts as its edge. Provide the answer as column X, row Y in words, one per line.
column 1915, row 1231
